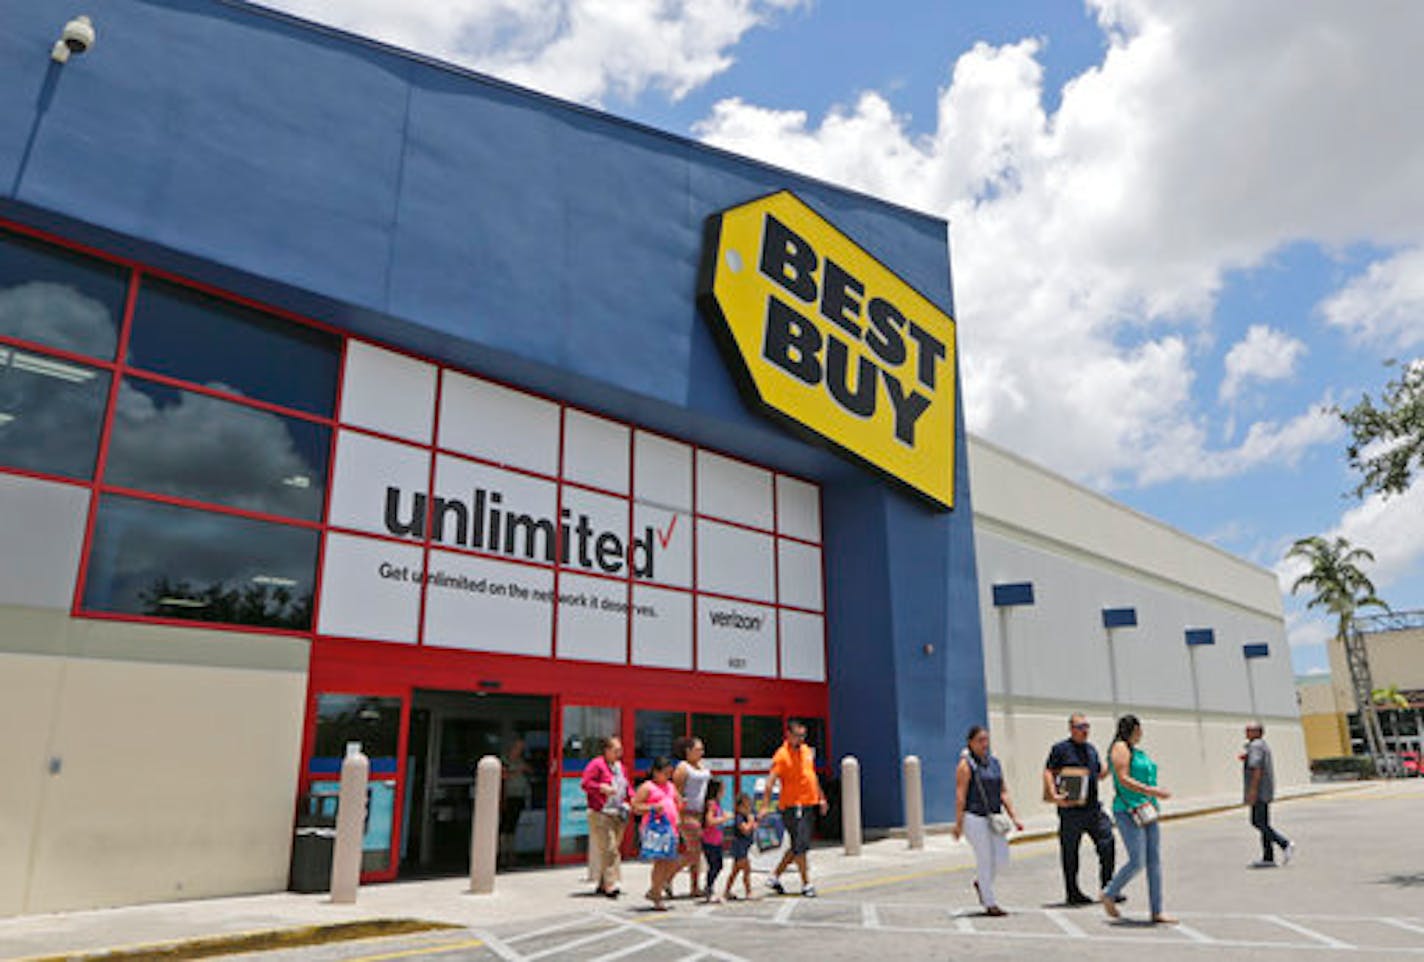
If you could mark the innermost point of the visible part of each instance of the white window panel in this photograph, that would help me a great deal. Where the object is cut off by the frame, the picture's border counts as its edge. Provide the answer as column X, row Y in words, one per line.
column 482, row 604
column 378, row 486
column 499, row 424
column 388, row 392
column 803, row 646
column 596, row 451
column 736, row 638
column 798, row 572
column 370, row 589
column 732, row 490
column 493, row 504
column 41, row 529
column 734, row 561
column 593, row 619
column 798, row 508
column 605, row 521
column 662, row 628
column 662, row 471
column 662, row 545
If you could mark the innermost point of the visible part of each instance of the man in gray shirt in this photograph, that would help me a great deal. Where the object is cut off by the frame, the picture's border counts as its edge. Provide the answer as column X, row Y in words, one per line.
column 1259, row 784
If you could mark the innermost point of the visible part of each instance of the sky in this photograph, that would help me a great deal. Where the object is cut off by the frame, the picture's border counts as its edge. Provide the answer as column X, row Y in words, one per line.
column 1179, row 233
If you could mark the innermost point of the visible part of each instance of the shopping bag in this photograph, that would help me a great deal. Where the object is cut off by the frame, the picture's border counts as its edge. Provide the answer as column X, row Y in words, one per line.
column 769, row 831
column 658, row 841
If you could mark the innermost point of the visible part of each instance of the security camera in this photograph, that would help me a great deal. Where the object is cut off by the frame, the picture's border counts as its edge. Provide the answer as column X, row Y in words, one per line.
column 77, row 37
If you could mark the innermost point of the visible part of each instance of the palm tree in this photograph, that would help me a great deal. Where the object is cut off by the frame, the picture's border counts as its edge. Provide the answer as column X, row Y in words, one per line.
column 1341, row 588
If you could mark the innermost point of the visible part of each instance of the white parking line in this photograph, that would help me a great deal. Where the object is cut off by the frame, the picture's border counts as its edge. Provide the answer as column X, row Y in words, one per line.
column 1406, row 926
column 630, row 950
column 962, row 924
column 783, row 911
column 1192, row 933
column 498, row 946
column 869, row 917
column 698, row 951
column 547, row 930
column 575, row 943
column 1334, row 943
column 1064, row 923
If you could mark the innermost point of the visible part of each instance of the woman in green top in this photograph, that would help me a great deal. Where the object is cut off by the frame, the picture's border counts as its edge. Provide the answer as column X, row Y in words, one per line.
column 1135, row 810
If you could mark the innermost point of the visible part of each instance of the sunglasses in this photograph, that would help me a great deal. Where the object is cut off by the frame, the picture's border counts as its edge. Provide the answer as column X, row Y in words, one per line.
column 1082, row 727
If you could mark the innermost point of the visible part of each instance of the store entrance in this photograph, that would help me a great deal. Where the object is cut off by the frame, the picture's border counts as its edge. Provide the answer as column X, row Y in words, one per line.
column 450, row 731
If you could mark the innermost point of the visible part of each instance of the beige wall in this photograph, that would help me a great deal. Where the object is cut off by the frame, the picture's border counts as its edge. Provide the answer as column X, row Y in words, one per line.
column 1396, row 658
column 177, row 752
column 1196, row 755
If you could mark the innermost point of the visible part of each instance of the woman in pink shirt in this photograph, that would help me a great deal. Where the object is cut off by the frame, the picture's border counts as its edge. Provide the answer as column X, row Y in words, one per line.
column 605, row 783
column 658, row 794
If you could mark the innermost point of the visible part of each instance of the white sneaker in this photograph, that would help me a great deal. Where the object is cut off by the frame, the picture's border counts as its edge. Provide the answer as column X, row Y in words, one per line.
column 808, row 891
column 1288, row 853
column 775, row 885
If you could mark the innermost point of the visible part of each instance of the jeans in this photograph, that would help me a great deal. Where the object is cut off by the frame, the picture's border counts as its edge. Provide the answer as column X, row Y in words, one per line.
column 1261, row 820
column 1073, row 824
column 1143, row 845
column 991, row 852
column 713, row 852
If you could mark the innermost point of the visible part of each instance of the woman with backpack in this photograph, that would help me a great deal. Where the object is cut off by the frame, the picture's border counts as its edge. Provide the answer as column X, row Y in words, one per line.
column 983, row 813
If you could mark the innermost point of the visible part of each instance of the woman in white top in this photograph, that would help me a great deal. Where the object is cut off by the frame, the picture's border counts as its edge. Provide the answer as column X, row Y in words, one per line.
column 691, row 779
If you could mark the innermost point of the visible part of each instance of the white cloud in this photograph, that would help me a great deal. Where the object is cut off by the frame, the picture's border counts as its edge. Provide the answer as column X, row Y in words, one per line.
column 1089, row 245
column 1384, row 305
column 585, row 50
column 1264, row 354
column 1306, row 630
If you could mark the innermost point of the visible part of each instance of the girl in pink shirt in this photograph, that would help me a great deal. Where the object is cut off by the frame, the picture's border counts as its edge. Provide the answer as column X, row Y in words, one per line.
column 713, row 818
column 659, row 794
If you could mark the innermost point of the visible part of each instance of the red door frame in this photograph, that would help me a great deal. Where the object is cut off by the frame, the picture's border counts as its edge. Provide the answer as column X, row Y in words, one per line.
column 340, row 666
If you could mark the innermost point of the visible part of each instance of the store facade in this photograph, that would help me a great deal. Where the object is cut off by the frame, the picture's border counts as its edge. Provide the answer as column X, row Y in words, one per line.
column 364, row 399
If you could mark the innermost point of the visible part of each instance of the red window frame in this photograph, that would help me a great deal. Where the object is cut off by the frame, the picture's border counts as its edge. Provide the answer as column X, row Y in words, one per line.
column 358, row 666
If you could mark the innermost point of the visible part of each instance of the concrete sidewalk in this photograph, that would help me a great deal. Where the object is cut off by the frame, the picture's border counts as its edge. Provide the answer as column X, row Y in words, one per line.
column 519, row 895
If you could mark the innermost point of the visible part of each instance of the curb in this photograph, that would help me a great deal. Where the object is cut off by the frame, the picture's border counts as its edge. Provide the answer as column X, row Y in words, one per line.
column 262, row 940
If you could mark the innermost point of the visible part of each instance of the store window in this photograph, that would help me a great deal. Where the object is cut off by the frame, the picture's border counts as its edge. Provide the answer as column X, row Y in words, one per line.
column 60, row 299
column 341, row 720
column 586, row 731
column 51, row 412
column 164, row 561
column 656, row 733
column 761, row 737
column 718, row 734
column 194, row 446
column 188, row 335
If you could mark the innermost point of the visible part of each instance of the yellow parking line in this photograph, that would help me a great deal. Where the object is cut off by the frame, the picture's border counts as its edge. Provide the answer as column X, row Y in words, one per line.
column 427, row 950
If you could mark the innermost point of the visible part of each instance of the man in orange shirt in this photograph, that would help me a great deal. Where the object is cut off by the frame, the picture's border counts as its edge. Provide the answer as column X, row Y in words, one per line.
column 794, row 767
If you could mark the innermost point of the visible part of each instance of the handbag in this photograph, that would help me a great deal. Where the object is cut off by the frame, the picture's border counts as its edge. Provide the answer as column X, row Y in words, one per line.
column 999, row 822
column 770, row 831
column 1143, row 815
column 658, row 840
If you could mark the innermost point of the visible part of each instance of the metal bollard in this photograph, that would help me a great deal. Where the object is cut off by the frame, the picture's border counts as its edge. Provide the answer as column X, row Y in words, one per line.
column 484, row 831
column 350, row 826
column 850, row 804
column 914, row 803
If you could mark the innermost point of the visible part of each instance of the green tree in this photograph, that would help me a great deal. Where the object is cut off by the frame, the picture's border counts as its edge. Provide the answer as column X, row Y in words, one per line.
column 1342, row 588
column 1335, row 577
column 1389, row 697
column 1387, row 440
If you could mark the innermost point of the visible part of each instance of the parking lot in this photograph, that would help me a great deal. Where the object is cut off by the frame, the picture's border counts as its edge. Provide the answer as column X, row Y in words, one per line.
column 1353, row 891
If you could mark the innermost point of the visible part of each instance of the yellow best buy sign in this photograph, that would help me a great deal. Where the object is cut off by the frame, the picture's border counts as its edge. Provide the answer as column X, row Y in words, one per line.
column 827, row 336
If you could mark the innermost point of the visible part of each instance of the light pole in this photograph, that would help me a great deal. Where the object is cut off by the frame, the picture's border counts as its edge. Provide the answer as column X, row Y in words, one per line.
column 1018, row 594
column 1251, row 652
column 1114, row 618
column 1197, row 638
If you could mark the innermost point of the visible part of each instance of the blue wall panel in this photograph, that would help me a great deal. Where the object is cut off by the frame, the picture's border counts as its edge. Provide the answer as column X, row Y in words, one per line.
column 501, row 231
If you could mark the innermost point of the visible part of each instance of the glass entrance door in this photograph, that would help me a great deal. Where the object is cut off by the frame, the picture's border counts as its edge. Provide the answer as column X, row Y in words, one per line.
column 449, row 733
column 583, row 734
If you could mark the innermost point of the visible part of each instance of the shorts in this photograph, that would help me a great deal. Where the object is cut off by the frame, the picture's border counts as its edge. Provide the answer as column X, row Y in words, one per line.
column 798, row 821
column 741, row 847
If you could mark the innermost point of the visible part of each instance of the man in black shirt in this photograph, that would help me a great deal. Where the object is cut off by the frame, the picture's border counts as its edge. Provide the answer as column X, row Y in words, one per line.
column 1078, row 811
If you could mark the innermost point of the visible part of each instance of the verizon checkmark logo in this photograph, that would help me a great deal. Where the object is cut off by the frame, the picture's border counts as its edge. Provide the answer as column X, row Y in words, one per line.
column 665, row 537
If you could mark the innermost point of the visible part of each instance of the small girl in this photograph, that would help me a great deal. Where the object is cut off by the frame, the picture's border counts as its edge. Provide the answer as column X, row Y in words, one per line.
column 713, row 818
column 743, row 831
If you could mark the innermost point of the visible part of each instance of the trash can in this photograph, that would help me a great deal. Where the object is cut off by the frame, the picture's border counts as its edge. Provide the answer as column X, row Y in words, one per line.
column 314, row 843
